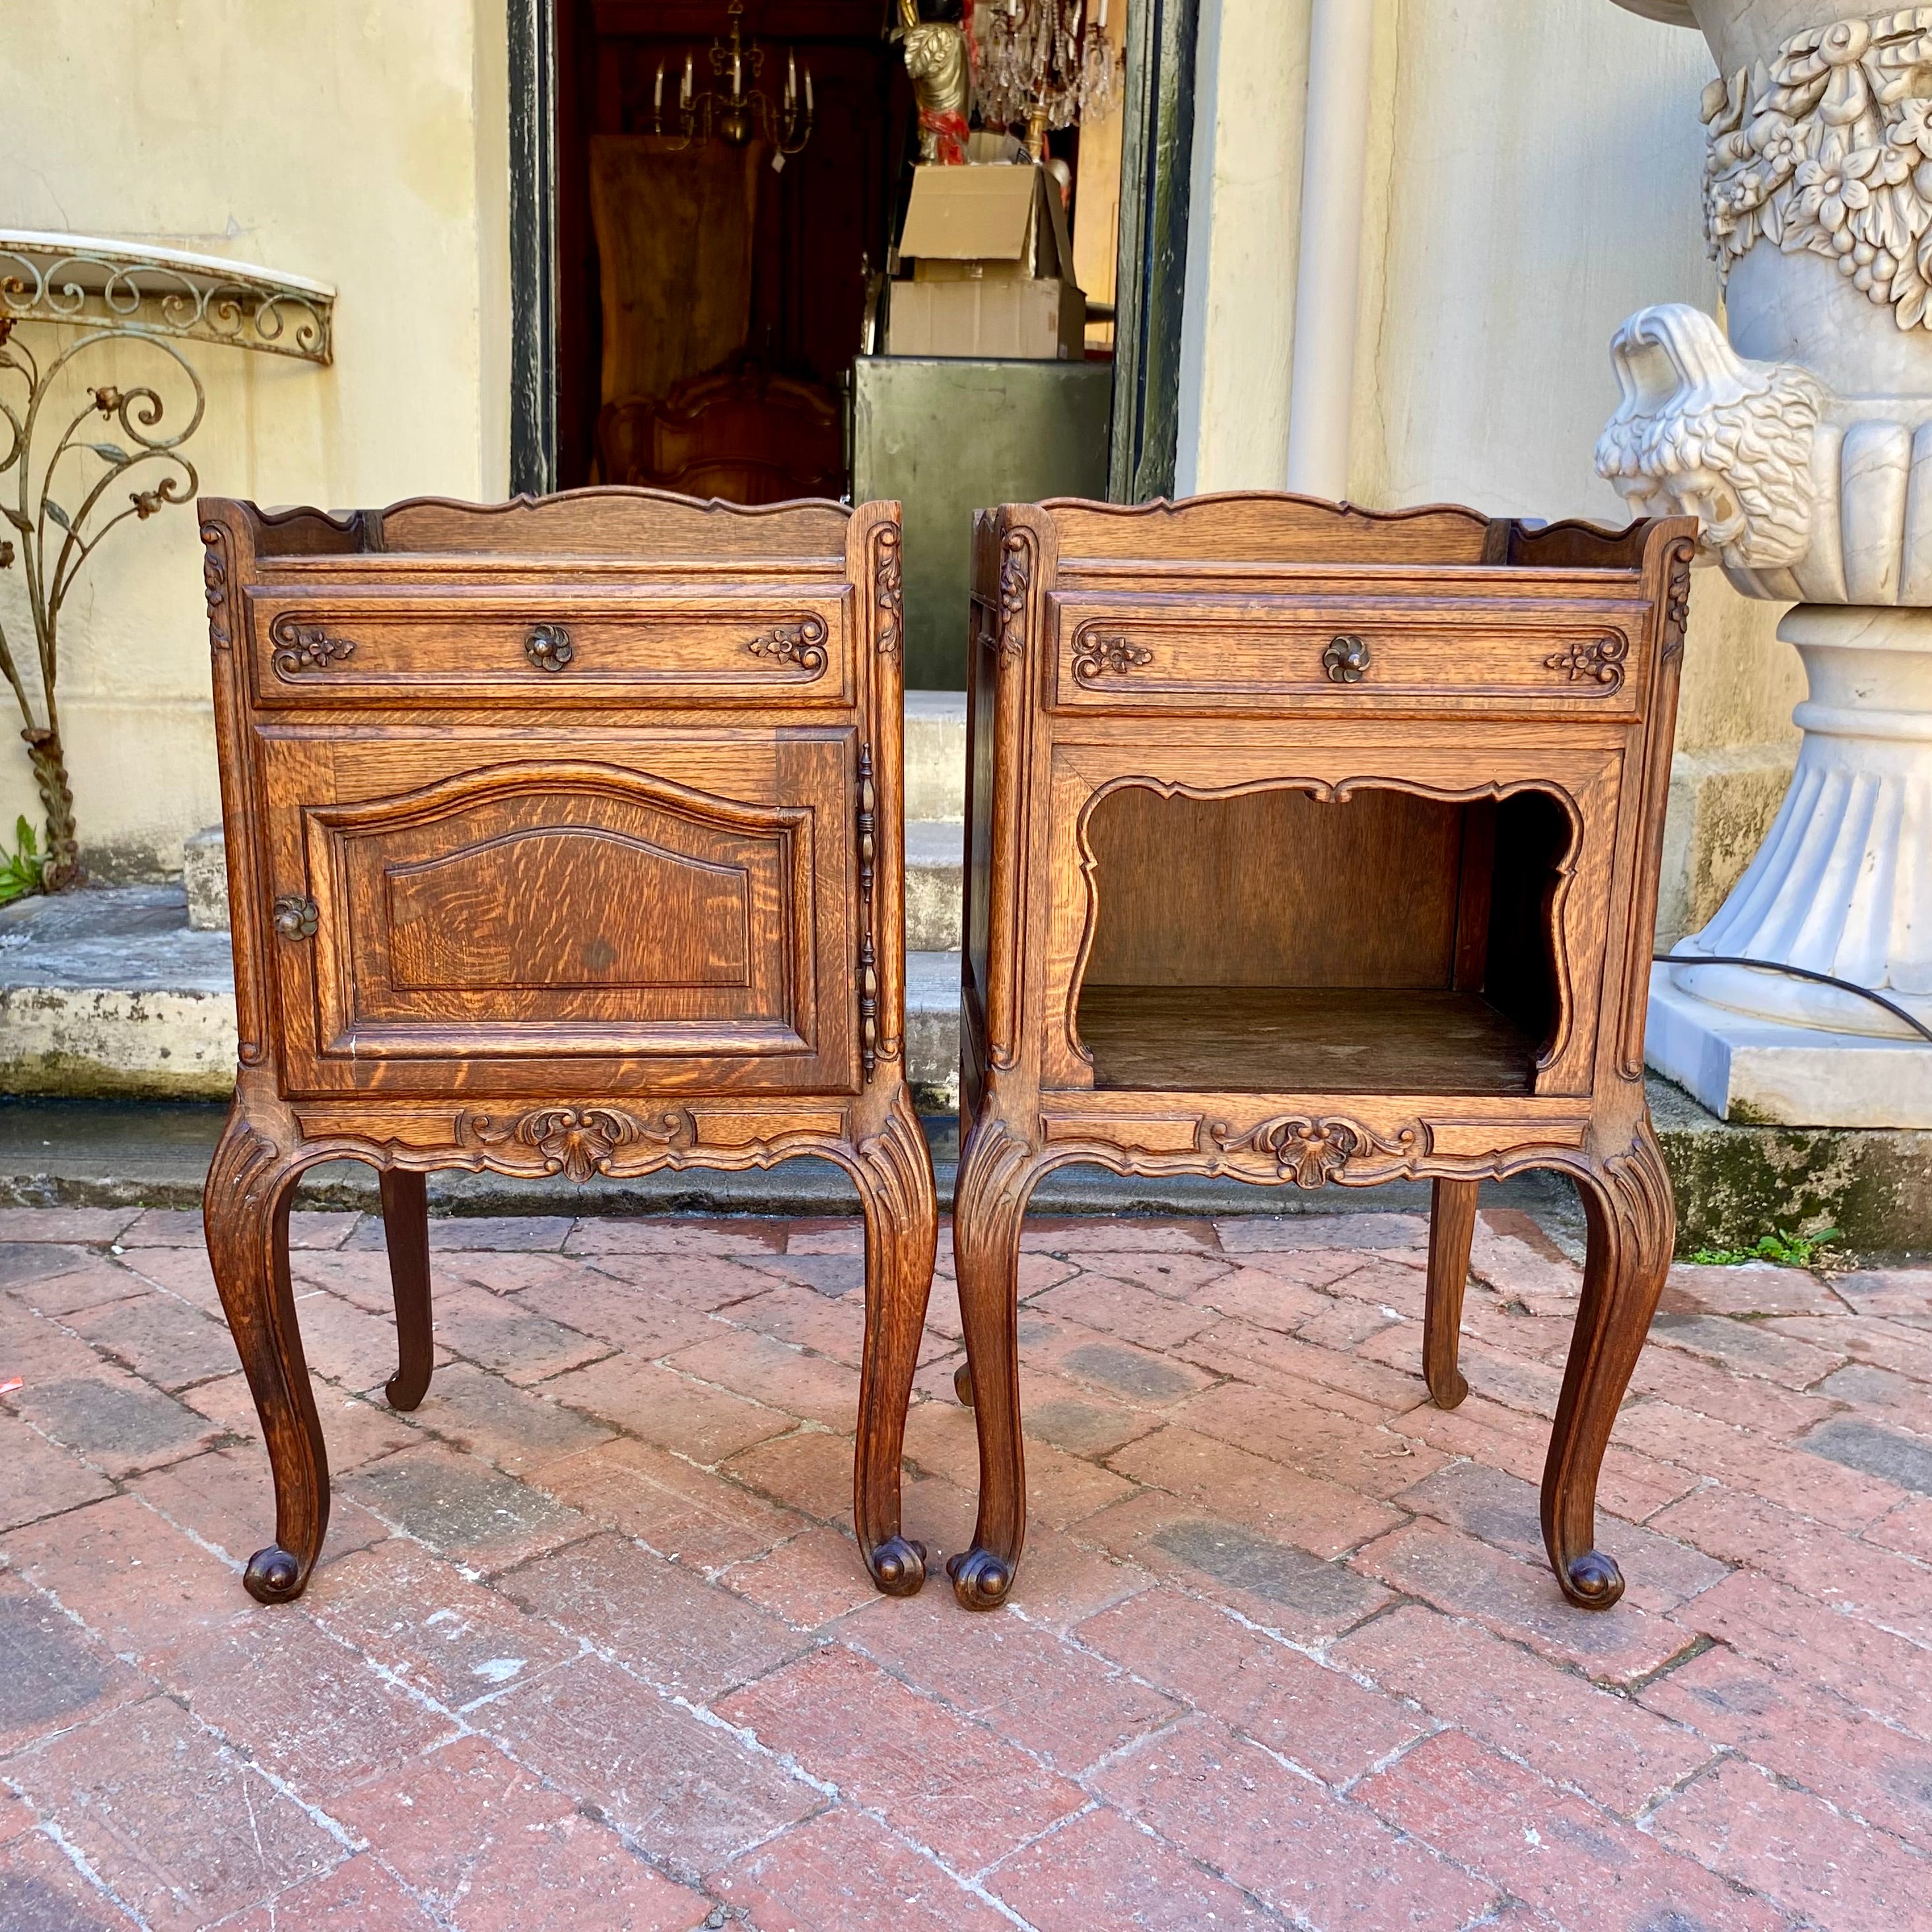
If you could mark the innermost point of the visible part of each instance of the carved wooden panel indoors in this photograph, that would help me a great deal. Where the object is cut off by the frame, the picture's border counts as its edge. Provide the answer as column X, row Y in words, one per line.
column 565, row 841
column 1313, row 846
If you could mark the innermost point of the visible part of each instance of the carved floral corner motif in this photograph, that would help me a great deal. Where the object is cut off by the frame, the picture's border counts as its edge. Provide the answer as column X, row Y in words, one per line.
column 1096, row 657
column 302, row 647
column 1312, row 1151
column 1016, row 581
column 888, row 593
column 1677, row 595
column 802, row 644
column 1827, row 148
column 214, row 578
column 1597, row 660
column 576, row 1142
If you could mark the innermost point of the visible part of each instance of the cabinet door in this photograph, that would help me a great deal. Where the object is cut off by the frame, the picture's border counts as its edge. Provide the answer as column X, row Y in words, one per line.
column 497, row 913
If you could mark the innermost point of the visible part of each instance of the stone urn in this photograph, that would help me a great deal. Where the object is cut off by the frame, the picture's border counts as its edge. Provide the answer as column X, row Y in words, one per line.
column 1803, row 440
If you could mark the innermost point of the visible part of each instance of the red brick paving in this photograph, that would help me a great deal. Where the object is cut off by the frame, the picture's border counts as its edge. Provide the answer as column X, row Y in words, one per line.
column 590, row 1646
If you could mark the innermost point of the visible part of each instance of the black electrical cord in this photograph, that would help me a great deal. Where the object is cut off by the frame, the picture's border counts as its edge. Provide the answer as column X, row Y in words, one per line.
column 1897, row 1013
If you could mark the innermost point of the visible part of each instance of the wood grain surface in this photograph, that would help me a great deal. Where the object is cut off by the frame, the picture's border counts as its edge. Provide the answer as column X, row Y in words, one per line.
column 564, row 838
column 1313, row 846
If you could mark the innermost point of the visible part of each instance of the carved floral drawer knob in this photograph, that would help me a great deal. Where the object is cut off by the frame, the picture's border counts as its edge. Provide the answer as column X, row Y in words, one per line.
column 549, row 647
column 1346, row 660
column 297, row 918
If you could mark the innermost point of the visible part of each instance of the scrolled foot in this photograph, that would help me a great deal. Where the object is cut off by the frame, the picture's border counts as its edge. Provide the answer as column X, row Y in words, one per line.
column 899, row 1566
column 980, row 1580
column 1594, row 1582
column 962, row 1384
column 274, row 1576
column 406, row 1391
column 1448, row 1391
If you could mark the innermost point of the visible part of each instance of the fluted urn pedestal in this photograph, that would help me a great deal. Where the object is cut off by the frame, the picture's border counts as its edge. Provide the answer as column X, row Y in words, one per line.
column 1804, row 443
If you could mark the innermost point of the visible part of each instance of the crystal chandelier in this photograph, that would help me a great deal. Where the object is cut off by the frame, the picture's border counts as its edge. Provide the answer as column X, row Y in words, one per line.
column 1048, row 63
column 736, row 108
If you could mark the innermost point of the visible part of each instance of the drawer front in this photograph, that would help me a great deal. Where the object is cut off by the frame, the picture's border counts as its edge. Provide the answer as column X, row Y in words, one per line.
column 1321, row 654
column 480, row 912
column 552, row 644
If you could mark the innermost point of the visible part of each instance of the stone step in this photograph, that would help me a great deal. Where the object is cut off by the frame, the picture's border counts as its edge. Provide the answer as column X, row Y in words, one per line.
column 935, row 805
column 935, row 755
column 934, row 886
column 110, row 992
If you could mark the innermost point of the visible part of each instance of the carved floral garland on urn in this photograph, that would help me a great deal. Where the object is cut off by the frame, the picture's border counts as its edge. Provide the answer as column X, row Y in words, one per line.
column 1829, row 149
column 1806, row 473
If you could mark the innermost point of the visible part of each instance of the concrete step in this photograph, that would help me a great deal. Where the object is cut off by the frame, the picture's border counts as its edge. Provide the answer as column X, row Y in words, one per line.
column 935, row 754
column 110, row 991
column 935, row 806
column 934, row 886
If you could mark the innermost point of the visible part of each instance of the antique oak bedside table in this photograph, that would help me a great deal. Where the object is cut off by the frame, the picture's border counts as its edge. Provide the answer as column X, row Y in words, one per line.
column 564, row 837
column 1307, row 845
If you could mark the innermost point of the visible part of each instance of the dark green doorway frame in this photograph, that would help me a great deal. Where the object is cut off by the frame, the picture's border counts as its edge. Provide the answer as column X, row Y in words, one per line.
column 1156, row 164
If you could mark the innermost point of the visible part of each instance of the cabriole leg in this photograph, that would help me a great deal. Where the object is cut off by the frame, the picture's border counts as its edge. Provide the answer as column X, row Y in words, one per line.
column 894, row 1172
column 996, row 1175
column 1452, row 1227
column 1632, row 1223
column 405, row 1234
column 246, row 1214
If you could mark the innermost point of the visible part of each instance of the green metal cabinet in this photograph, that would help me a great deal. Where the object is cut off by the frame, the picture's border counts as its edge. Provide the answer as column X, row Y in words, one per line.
column 945, row 437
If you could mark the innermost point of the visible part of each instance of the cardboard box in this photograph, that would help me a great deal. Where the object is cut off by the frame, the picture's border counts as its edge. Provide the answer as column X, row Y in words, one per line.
column 1033, row 321
column 991, row 268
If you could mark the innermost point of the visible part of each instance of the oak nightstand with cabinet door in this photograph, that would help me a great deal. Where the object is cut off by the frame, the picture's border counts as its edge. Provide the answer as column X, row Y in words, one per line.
column 564, row 838
column 1307, row 845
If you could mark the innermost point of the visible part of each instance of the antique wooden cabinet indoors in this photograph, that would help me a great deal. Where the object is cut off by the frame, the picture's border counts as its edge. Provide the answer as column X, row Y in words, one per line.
column 564, row 838
column 1308, row 845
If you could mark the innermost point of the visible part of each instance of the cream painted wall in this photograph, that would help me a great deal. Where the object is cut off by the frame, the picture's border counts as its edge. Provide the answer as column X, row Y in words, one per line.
column 1534, row 176
column 360, row 142
column 1237, row 336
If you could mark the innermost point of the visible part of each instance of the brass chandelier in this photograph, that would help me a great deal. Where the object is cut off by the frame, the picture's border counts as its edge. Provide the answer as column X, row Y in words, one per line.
column 736, row 108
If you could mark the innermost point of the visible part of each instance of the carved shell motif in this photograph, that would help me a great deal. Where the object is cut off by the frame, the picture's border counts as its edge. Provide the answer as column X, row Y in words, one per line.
column 1313, row 1152
column 577, row 1142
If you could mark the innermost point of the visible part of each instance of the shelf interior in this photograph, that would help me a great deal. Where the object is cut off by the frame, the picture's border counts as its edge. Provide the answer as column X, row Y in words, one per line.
column 1285, row 941
column 1346, row 1039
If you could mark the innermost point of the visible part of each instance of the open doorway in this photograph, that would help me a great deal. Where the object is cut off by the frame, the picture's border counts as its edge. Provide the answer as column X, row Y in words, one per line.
column 692, row 286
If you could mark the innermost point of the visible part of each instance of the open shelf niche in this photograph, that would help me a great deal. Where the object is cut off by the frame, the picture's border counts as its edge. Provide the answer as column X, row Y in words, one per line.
column 1287, row 940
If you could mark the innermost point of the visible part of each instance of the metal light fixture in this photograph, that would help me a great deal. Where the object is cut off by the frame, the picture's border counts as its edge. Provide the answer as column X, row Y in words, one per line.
column 737, row 108
column 1048, row 64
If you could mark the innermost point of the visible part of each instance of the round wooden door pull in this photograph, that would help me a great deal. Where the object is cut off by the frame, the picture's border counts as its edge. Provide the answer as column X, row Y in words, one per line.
column 549, row 647
column 1346, row 660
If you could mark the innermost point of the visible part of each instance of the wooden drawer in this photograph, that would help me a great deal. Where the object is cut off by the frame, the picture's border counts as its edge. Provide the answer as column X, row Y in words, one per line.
column 1346, row 654
column 551, row 644
column 650, row 912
